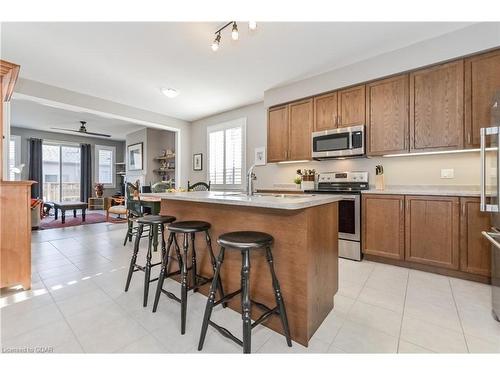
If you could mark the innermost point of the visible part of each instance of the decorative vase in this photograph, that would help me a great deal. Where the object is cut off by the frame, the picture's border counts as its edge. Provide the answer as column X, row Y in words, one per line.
column 99, row 190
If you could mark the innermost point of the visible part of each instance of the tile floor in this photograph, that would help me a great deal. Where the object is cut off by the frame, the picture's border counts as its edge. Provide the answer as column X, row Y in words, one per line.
column 77, row 304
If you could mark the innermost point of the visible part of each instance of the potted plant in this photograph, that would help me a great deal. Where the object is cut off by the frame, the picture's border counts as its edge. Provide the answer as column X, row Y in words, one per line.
column 99, row 189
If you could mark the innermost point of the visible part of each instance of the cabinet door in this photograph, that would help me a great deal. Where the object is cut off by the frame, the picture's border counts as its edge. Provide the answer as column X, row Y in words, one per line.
column 301, row 121
column 387, row 115
column 325, row 112
column 475, row 250
column 277, row 134
column 482, row 80
column 436, row 107
column 383, row 225
column 352, row 106
column 432, row 230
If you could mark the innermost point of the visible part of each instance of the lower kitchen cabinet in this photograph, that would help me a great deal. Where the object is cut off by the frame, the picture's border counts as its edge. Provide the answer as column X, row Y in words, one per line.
column 383, row 225
column 432, row 230
column 475, row 250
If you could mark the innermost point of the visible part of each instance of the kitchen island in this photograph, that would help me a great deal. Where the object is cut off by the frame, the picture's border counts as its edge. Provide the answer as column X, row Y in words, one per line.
column 305, row 229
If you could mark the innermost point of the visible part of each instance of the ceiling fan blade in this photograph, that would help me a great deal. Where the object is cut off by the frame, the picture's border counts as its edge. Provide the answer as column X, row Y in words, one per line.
column 83, row 132
column 98, row 134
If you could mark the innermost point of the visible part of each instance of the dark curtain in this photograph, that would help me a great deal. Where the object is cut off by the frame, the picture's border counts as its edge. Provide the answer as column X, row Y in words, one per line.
column 85, row 173
column 35, row 167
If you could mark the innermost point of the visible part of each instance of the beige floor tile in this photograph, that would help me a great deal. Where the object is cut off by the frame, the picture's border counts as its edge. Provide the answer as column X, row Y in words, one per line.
column 384, row 320
column 477, row 345
column 382, row 298
column 409, row 348
column 358, row 338
column 431, row 336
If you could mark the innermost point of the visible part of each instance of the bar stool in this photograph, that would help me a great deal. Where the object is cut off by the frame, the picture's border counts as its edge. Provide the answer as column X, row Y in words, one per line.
column 245, row 241
column 153, row 222
column 189, row 230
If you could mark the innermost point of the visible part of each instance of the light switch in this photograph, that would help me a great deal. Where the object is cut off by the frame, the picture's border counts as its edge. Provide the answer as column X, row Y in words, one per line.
column 447, row 173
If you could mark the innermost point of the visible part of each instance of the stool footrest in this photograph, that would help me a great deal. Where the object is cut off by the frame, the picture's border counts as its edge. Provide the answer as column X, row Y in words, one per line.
column 171, row 295
column 227, row 297
column 265, row 316
column 224, row 332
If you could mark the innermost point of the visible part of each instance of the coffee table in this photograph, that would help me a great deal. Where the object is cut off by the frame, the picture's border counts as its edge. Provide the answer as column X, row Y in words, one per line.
column 64, row 206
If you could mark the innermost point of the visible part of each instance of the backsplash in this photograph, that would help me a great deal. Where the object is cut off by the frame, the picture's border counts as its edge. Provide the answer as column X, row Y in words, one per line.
column 404, row 171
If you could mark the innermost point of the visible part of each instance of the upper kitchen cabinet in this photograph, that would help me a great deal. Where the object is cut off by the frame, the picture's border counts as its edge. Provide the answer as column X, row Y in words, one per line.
column 277, row 134
column 436, row 107
column 326, row 112
column 432, row 230
column 482, row 80
column 351, row 106
column 387, row 115
column 475, row 252
column 300, row 125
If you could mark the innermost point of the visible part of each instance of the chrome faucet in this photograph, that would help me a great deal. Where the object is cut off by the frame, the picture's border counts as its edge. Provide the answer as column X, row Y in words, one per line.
column 250, row 177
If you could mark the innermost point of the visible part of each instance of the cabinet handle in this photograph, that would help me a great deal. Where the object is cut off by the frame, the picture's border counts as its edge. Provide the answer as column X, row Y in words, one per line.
column 463, row 209
column 340, row 120
column 401, row 207
column 469, row 140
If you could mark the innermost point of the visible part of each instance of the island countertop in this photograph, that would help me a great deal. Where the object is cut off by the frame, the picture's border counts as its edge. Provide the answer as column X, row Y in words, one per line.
column 277, row 201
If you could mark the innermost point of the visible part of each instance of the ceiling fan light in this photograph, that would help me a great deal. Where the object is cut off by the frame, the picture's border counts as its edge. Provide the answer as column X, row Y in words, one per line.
column 252, row 25
column 169, row 92
column 234, row 33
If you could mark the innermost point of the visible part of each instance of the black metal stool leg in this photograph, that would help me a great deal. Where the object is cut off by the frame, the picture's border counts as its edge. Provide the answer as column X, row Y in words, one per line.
column 214, row 265
column 245, row 301
column 164, row 268
column 134, row 256
column 194, row 271
column 211, row 299
column 163, row 246
column 184, row 284
column 279, row 297
column 147, row 268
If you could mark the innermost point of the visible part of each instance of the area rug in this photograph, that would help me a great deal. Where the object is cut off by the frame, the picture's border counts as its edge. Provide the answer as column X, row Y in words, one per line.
column 90, row 218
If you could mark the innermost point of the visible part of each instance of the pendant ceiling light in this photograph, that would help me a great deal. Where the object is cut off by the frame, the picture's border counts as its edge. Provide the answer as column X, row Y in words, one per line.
column 235, row 35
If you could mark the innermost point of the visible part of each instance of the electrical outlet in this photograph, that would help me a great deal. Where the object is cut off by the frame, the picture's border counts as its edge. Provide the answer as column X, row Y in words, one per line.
column 447, row 173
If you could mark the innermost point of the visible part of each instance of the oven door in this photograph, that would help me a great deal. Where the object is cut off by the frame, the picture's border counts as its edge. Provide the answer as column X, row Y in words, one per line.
column 330, row 144
column 349, row 217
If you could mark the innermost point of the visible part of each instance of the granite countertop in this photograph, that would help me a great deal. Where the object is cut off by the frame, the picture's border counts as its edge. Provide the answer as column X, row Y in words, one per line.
column 446, row 190
column 277, row 201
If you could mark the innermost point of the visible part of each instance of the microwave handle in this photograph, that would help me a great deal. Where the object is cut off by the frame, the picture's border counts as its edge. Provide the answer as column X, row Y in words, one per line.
column 484, row 207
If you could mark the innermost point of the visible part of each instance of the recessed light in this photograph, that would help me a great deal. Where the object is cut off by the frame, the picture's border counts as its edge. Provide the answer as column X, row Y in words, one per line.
column 252, row 25
column 170, row 93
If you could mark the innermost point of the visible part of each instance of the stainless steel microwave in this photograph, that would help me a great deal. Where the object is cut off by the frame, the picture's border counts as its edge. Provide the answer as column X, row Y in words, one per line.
column 340, row 142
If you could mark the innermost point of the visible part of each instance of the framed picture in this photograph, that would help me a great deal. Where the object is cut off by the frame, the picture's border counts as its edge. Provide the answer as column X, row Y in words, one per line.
column 197, row 162
column 260, row 156
column 134, row 157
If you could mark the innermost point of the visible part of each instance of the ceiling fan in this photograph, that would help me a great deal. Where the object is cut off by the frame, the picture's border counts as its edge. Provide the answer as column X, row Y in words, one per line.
column 83, row 130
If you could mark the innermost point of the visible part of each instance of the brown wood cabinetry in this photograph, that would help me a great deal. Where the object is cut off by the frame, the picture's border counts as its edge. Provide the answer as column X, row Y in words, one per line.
column 436, row 107
column 351, row 104
column 325, row 112
column 289, row 129
column 301, row 121
column 482, row 80
column 387, row 115
column 277, row 134
column 475, row 253
column 15, row 216
column 432, row 230
column 383, row 225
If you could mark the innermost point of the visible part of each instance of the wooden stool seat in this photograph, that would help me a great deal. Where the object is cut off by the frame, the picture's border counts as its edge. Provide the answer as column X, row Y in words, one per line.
column 245, row 239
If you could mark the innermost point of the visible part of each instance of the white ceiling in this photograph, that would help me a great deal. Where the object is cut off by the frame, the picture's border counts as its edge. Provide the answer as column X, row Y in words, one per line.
column 129, row 62
column 28, row 114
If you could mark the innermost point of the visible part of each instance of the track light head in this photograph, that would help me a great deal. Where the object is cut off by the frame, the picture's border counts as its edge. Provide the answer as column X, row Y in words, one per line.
column 216, row 43
column 234, row 33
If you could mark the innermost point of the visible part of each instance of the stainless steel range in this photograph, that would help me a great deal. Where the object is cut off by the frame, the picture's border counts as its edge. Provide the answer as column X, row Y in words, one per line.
column 349, row 185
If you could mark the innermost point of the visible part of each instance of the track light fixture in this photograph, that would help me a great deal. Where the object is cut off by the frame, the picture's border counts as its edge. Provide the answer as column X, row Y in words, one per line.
column 216, row 42
column 235, row 35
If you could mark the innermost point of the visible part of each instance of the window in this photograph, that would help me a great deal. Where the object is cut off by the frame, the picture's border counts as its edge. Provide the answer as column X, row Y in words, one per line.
column 226, row 154
column 105, row 165
column 61, row 172
column 15, row 158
